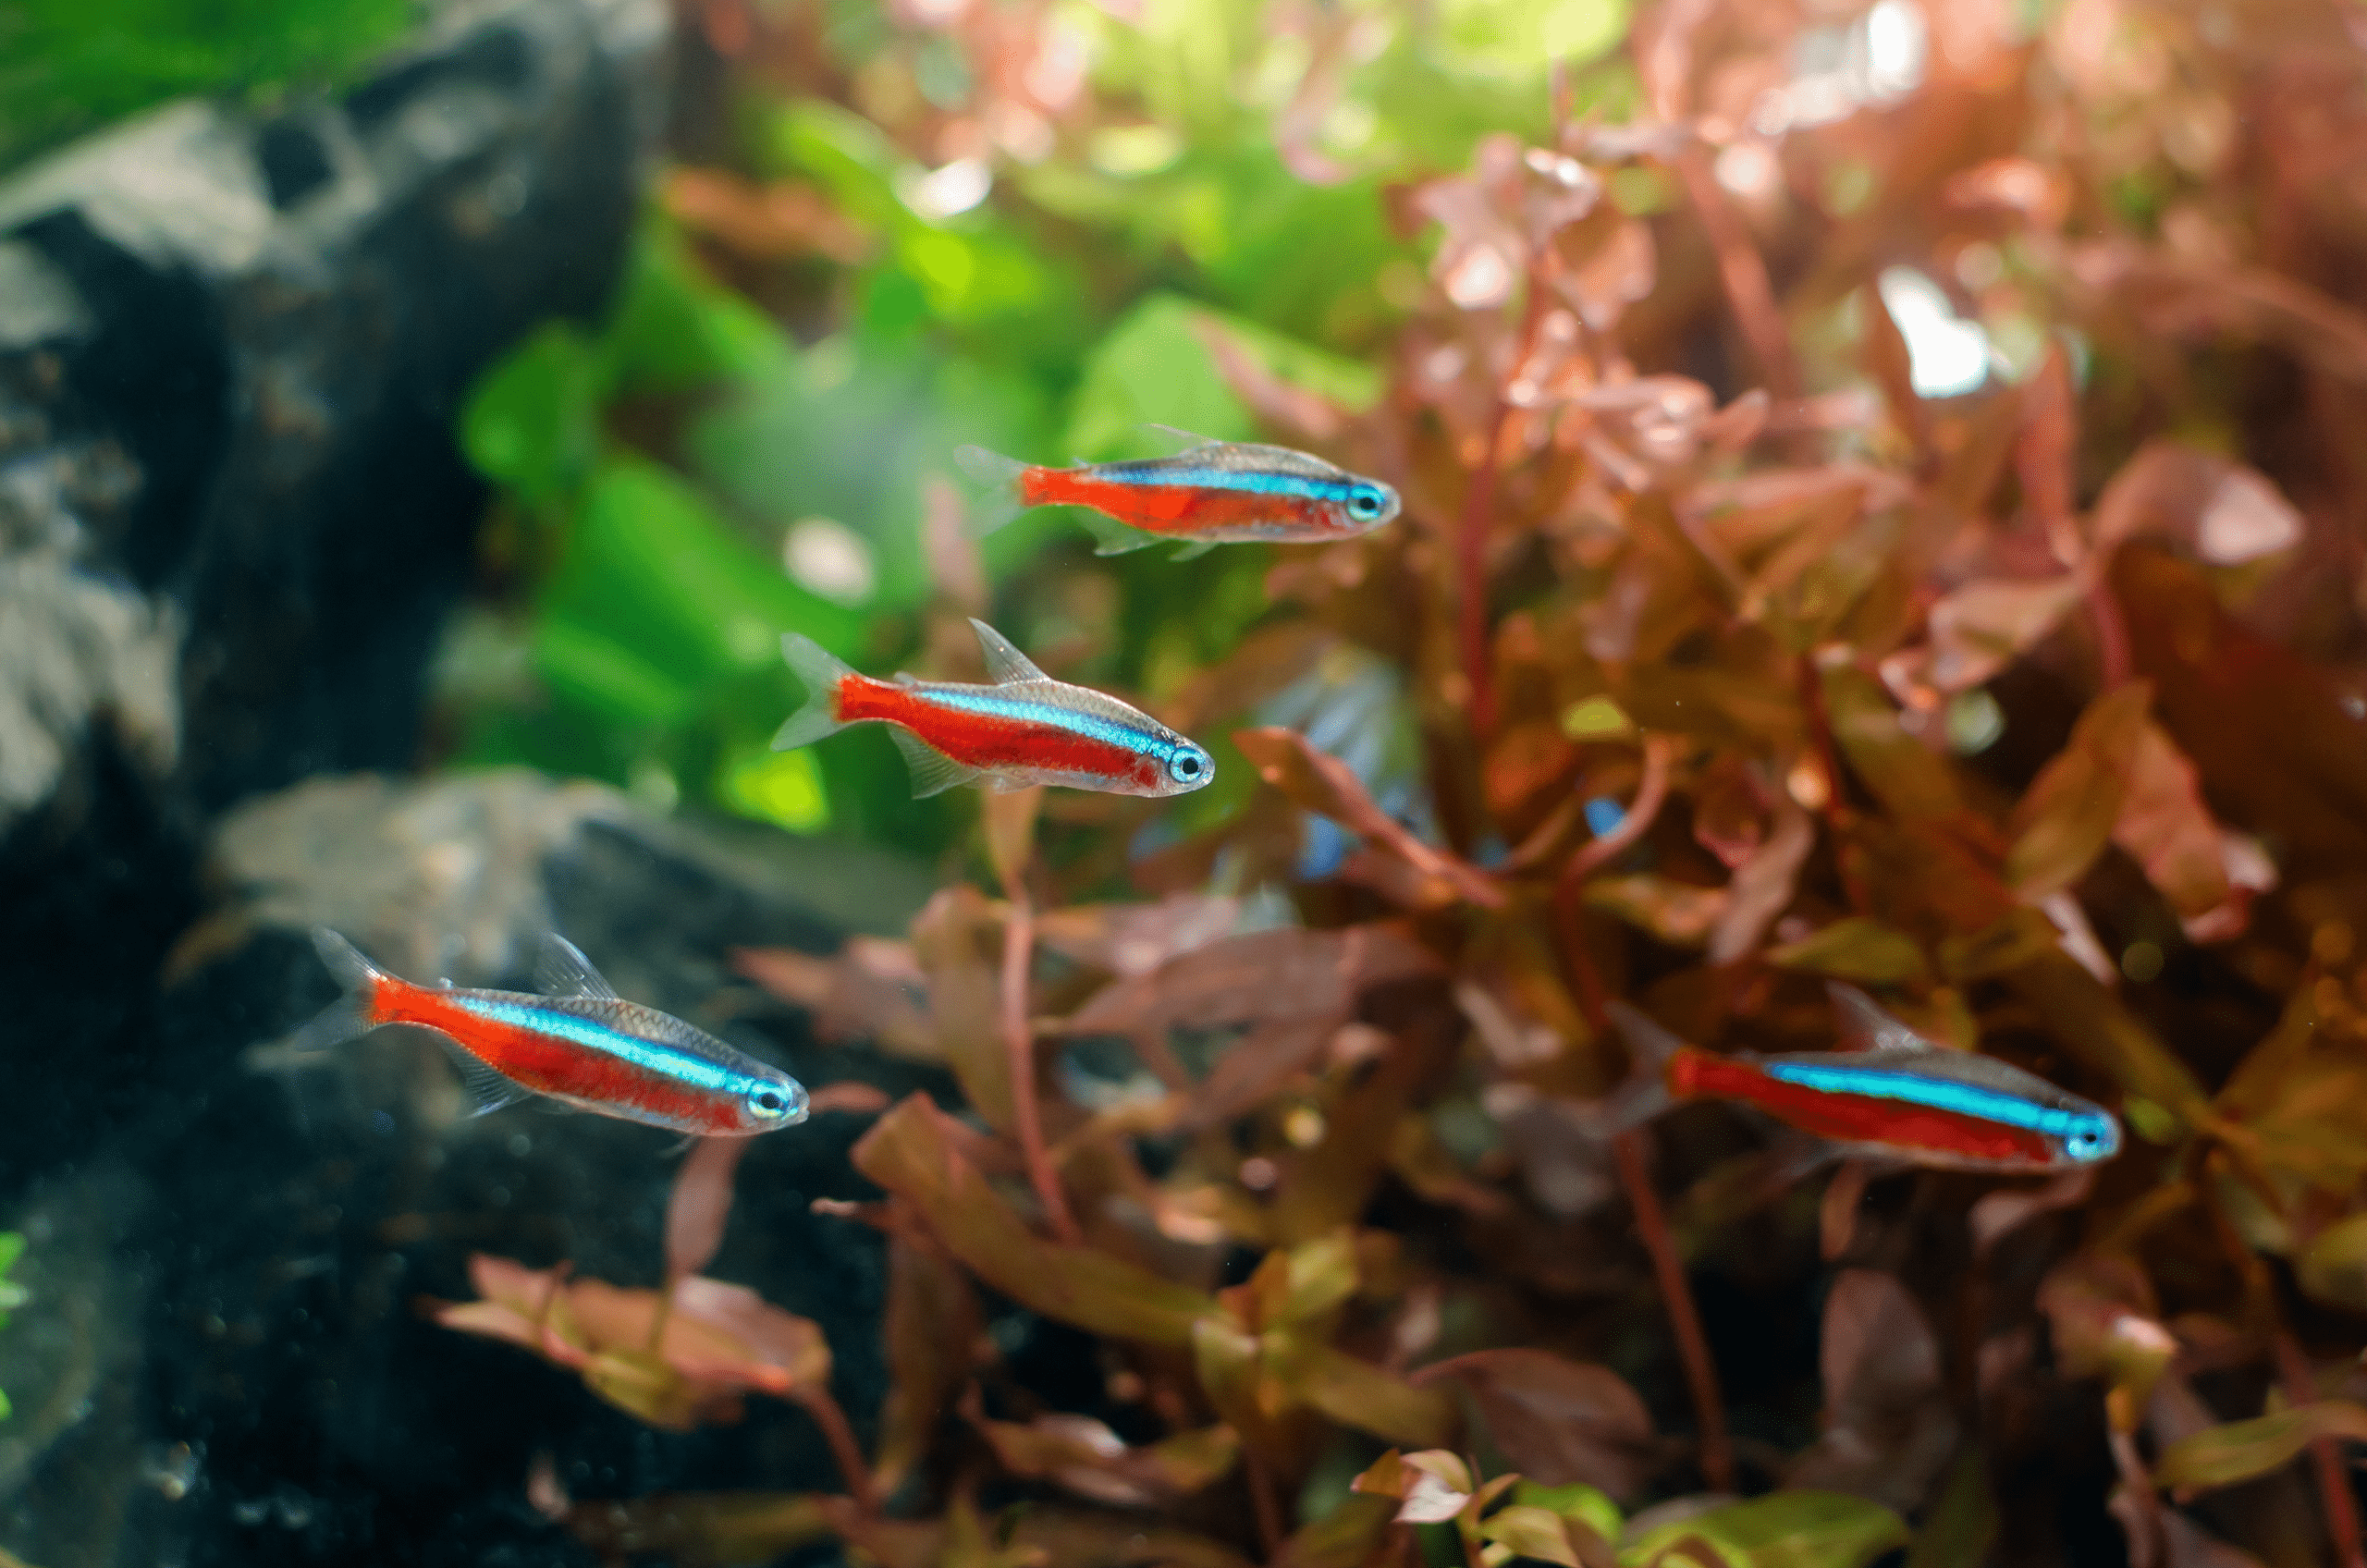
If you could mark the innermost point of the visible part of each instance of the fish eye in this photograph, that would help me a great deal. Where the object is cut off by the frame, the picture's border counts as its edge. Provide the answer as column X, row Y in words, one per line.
column 1364, row 501
column 770, row 1103
column 1188, row 767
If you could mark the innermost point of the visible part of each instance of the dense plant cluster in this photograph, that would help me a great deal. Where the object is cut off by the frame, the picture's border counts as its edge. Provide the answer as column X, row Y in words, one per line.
column 1882, row 504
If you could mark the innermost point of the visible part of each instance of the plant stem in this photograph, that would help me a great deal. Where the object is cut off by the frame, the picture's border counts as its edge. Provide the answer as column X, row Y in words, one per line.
column 1701, row 1372
column 1019, row 1044
column 1743, row 272
column 1668, row 1269
column 818, row 1403
column 1261, row 1499
column 2325, row 1457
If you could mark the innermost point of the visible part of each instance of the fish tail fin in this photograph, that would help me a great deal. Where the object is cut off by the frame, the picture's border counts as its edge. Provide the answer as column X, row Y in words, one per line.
column 820, row 670
column 1652, row 1085
column 354, row 1014
column 1001, row 479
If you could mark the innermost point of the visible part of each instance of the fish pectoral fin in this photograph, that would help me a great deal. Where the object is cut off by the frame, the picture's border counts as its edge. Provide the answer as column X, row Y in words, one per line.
column 561, row 970
column 1193, row 550
column 933, row 771
column 488, row 1090
column 1005, row 662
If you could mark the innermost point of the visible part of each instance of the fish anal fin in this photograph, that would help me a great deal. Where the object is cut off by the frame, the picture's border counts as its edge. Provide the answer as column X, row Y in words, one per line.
column 1005, row 662
column 1114, row 538
column 488, row 1090
column 561, row 970
column 1193, row 550
column 933, row 772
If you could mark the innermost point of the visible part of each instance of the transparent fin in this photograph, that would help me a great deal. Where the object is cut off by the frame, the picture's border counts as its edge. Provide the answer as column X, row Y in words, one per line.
column 1114, row 538
column 1645, row 1095
column 933, row 771
column 345, row 961
column 561, row 970
column 820, row 670
column 1186, row 440
column 350, row 1015
column 1005, row 662
column 1865, row 1027
column 1193, row 550
column 999, row 477
column 488, row 1090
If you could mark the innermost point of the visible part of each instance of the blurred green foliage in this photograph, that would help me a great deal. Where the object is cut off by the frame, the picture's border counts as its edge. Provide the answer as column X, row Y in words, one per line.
column 12, row 1248
column 66, row 65
column 655, row 465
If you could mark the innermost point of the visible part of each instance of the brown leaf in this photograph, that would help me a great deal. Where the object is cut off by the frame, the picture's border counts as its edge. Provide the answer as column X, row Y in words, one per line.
column 910, row 1151
column 2278, row 745
column 2100, row 1308
column 1764, row 884
column 2165, row 826
column 1997, row 1214
column 1007, row 817
column 1290, row 762
column 957, row 941
column 1130, row 939
column 871, row 990
column 1677, row 912
column 1557, row 1421
column 1288, row 975
column 718, row 1340
column 932, row 1322
column 769, row 222
column 1089, row 1459
column 700, row 1204
column 1888, row 1426
column 2066, row 817
column 2206, row 507
column 1979, row 629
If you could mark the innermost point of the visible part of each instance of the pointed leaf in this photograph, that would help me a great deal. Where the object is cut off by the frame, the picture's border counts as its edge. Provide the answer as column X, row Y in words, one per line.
column 910, row 1151
column 2222, row 1456
column 1557, row 1421
column 1854, row 949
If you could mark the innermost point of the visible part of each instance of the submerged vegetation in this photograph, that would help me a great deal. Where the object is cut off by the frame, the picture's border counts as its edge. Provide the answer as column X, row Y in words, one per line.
column 1878, row 507
column 1881, row 508
column 12, row 1295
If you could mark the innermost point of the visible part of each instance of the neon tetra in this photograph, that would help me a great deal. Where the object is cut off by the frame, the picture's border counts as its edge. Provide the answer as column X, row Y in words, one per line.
column 580, row 1044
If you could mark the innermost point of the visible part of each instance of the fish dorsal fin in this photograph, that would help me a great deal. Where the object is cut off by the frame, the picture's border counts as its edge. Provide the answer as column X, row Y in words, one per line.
column 1190, row 441
column 1258, row 458
column 488, row 1090
column 933, row 771
column 561, row 970
column 1005, row 662
column 1866, row 1027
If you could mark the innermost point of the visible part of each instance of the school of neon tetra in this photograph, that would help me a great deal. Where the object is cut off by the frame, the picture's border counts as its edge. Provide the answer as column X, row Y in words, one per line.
column 1899, row 1099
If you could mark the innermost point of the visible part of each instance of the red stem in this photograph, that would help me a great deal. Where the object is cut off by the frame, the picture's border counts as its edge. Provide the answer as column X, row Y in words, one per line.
column 1743, row 272
column 2112, row 634
column 2325, row 1458
column 817, row 1402
column 1701, row 1372
column 1471, row 578
column 1652, row 1224
column 1261, row 1499
column 1019, row 1044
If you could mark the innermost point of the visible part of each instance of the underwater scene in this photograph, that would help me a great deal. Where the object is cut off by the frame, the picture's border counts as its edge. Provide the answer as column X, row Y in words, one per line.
column 1183, row 783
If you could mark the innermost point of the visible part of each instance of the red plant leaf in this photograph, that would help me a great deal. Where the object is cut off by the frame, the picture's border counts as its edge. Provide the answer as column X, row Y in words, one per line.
column 1558, row 1421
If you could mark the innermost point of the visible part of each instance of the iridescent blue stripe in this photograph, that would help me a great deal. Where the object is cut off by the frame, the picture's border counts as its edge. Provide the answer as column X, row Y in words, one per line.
column 651, row 1056
column 1256, row 479
column 1938, row 1094
column 1020, row 710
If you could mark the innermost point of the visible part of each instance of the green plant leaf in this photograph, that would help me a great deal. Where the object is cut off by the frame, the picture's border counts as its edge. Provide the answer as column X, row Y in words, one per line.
column 2239, row 1451
column 1788, row 1529
column 1854, row 949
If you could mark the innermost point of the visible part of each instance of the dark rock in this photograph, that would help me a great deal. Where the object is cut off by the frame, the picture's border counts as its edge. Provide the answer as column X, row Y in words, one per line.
column 232, row 514
column 255, row 1241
